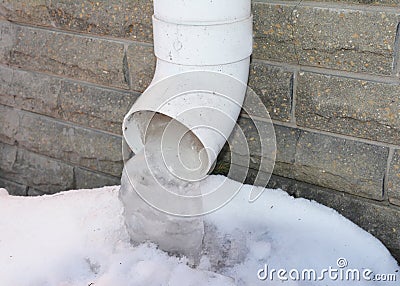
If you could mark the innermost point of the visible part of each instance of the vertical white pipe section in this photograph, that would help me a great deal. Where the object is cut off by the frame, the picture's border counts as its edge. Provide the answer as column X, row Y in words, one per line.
column 196, row 35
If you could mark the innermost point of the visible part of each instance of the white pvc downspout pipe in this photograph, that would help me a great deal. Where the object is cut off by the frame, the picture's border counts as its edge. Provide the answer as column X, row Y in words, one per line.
column 196, row 35
column 203, row 50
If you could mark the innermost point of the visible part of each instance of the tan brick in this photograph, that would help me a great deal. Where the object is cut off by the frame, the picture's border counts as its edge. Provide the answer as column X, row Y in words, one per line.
column 83, row 58
column 347, row 39
column 358, row 108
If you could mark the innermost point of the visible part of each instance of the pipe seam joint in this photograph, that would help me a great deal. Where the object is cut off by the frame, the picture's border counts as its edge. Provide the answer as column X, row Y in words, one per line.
column 202, row 44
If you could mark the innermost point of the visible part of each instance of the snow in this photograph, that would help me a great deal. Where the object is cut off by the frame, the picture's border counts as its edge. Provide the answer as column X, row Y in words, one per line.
column 79, row 238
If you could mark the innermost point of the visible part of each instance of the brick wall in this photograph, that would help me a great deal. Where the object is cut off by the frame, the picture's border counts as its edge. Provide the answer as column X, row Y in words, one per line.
column 328, row 72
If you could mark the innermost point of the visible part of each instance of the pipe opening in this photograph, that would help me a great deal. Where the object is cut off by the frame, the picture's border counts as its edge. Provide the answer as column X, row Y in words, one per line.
column 179, row 149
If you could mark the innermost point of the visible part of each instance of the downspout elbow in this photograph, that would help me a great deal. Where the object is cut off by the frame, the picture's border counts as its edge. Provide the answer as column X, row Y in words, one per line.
column 203, row 53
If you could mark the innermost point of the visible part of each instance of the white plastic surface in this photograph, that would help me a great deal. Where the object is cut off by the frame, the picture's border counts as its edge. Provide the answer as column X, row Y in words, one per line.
column 203, row 44
column 203, row 53
column 207, row 103
column 201, row 11
column 238, row 70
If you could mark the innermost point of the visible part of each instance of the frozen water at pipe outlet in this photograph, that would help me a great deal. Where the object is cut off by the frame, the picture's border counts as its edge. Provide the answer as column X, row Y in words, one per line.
column 172, row 161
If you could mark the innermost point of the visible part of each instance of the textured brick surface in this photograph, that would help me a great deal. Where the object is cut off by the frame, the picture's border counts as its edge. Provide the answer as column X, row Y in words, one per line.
column 37, row 171
column 343, row 39
column 286, row 141
column 7, row 39
column 344, row 165
column 241, row 155
column 30, row 11
column 84, row 58
column 29, row 91
column 80, row 103
column 14, row 189
column 118, row 18
column 273, row 85
column 35, row 192
column 341, row 164
column 95, row 150
column 273, row 32
column 394, row 179
column 381, row 221
column 8, row 155
column 9, row 121
column 5, row 83
column 85, row 179
column 349, row 106
column 95, row 107
column 252, row 139
column 141, row 62
column 242, row 174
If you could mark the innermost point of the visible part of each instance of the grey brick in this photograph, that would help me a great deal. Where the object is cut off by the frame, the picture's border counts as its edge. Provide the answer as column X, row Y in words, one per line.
column 9, row 122
column 37, row 171
column 30, row 91
column 118, row 18
column 85, row 179
column 252, row 145
column 8, row 38
column 128, row 19
column 353, row 107
column 14, row 189
column 241, row 156
column 251, row 135
column 84, row 58
column 6, row 75
column 141, row 61
column 286, row 141
column 34, row 192
column 273, row 85
column 381, row 221
column 242, row 174
column 34, row 92
column 394, row 179
column 80, row 103
column 340, row 164
column 28, row 11
column 273, row 32
column 8, row 156
column 343, row 39
column 245, row 175
column 94, row 150
column 95, row 107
